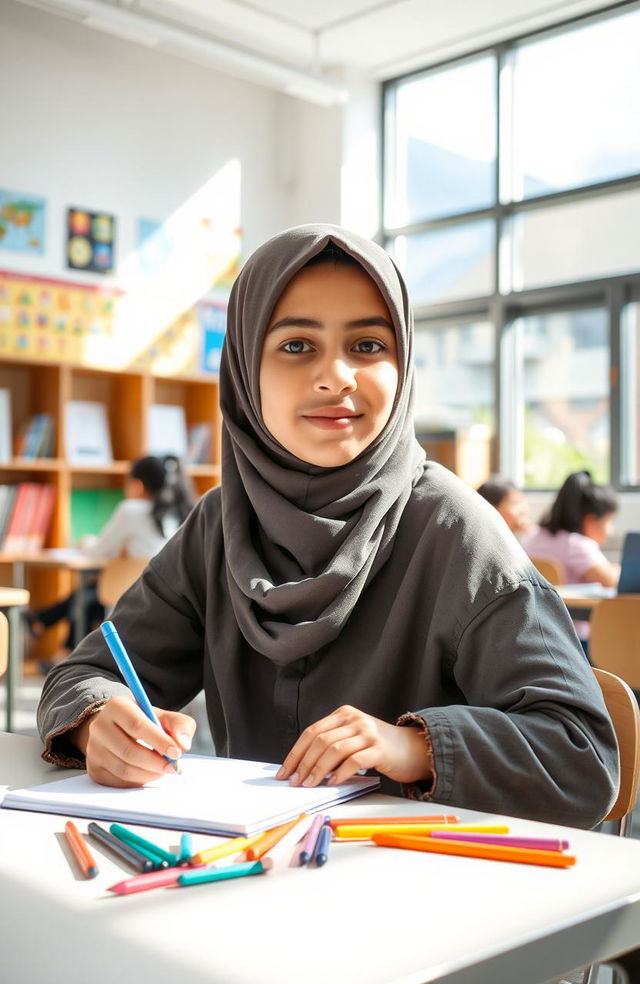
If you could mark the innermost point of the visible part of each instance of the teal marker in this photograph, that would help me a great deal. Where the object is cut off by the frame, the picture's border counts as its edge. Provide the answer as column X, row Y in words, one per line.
column 124, row 664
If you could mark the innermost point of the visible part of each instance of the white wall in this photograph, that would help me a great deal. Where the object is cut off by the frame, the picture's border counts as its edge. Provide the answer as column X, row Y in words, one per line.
column 92, row 121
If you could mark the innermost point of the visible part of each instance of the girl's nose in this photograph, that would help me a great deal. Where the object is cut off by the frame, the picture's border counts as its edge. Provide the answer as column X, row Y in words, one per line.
column 336, row 376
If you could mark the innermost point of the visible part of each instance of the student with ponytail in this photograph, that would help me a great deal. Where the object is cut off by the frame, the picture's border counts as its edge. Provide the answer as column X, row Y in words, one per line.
column 574, row 530
column 157, row 500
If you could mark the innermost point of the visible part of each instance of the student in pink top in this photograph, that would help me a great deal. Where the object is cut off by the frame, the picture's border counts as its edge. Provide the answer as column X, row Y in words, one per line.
column 574, row 530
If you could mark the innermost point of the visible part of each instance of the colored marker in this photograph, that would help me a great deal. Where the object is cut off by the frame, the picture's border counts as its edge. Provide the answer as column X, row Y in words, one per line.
column 280, row 853
column 220, row 874
column 139, row 862
column 80, row 851
column 223, row 850
column 365, row 831
column 383, row 821
column 520, row 855
column 321, row 855
column 124, row 664
column 310, row 840
column 186, row 848
column 269, row 838
column 143, row 845
column 532, row 843
column 143, row 883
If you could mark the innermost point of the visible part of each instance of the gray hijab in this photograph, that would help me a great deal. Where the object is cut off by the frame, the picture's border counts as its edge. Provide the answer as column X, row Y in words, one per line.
column 301, row 541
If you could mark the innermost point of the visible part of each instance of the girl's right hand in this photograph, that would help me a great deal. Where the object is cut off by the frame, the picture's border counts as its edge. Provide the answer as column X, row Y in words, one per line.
column 110, row 741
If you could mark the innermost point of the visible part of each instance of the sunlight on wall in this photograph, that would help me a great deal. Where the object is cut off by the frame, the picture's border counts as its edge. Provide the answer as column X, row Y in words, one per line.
column 194, row 253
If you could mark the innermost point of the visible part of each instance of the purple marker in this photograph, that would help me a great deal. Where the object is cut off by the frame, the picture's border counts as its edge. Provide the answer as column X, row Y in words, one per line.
column 532, row 843
column 309, row 843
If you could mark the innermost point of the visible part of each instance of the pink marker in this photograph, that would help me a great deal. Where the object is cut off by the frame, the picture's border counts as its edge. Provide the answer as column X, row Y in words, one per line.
column 533, row 843
column 309, row 844
column 153, row 879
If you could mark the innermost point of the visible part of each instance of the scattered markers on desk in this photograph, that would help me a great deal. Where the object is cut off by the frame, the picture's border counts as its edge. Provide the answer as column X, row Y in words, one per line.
column 139, row 862
column 321, row 855
column 309, row 843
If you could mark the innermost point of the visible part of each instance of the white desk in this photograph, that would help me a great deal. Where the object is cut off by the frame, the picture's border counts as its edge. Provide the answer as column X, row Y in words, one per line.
column 370, row 916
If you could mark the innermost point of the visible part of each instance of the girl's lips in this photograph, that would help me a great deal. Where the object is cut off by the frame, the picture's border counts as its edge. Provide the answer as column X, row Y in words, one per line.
column 334, row 420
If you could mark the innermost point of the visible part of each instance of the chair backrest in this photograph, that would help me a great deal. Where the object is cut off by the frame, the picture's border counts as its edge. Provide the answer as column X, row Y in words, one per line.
column 549, row 569
column 614, row 641
column 117, row 576
column 623, row 710
column 4, row 643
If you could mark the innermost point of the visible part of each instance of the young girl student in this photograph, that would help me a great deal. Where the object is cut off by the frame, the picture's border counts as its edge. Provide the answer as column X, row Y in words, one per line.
column 574, row 530
column 157, row 499
column 344, row 603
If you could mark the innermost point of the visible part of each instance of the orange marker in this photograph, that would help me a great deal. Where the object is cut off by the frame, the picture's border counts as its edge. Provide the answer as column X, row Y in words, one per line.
column 492, row 852
column 382, row 821
column 356, row 831
column 269, row 838
column 81, row 852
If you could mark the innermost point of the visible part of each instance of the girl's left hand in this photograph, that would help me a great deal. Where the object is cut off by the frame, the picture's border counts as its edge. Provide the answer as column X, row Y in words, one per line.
column 348, row 740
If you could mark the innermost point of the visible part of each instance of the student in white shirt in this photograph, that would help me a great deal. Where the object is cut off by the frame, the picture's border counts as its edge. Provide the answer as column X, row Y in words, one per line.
column 157, row 500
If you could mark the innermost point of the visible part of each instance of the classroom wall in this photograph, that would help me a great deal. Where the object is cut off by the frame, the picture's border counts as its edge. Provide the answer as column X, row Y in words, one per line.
column 90, row 120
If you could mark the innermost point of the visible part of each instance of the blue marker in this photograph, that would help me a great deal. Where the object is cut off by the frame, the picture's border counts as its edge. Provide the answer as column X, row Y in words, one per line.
column 124, row 664
column 322, row 845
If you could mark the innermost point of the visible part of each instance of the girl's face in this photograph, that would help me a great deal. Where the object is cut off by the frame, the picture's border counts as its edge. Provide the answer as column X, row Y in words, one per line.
column 515, row 511
column 598, row 528
column 329, row 367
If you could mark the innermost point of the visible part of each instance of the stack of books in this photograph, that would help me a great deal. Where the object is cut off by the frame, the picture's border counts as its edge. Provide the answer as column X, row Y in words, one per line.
column 26, row 511
column 35, row 439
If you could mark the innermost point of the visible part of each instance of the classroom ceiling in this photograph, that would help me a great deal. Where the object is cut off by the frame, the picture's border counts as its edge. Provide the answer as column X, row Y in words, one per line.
column 318, row 38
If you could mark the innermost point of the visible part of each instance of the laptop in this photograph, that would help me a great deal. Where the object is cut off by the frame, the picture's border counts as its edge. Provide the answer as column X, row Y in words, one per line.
column 629, row 582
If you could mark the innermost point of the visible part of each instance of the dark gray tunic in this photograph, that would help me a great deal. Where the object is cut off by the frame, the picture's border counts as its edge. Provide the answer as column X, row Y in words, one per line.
column 488, row 659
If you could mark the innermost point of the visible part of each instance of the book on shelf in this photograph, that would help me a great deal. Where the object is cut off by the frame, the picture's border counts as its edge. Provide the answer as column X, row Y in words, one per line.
column 87, row 437
column 167, row 430
column 27, row 516
column 7, row 500
column 5, row 425
column 35, row 439
column 199, row 445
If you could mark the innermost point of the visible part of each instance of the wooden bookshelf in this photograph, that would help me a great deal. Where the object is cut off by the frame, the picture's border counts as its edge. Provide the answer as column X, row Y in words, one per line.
column 41, row 387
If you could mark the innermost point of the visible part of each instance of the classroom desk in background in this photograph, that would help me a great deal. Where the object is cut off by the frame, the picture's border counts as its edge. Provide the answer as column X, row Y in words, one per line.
column 12, row 602
column 370, row 916
column 580, row 605
column 70, row 560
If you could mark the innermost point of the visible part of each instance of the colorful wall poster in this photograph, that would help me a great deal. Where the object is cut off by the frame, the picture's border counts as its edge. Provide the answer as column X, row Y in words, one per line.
column 52, row 319
column 90, row 240
column 22, row 222
column 213, row 322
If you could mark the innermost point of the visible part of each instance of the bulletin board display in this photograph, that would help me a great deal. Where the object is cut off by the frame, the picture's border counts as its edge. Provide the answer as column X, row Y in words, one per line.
column 80, row 324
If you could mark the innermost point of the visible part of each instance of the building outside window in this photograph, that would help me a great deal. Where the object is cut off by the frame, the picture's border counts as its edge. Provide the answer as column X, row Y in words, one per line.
column 512, row 205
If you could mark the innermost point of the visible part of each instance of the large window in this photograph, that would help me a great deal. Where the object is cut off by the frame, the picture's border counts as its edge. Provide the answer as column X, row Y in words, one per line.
column 512, row 204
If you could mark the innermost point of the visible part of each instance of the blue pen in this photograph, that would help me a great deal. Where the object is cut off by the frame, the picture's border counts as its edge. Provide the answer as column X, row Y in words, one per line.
column 124, row 664
column 322, row 844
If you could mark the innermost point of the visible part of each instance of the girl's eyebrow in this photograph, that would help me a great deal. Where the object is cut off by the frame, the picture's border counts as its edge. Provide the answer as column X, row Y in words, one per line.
column 293, row 322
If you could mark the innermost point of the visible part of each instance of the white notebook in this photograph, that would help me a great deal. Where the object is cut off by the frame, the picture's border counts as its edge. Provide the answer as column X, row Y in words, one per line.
column 213, row 796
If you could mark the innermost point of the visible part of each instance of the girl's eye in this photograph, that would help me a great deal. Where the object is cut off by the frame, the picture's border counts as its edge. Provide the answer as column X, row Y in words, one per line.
column 369, row 346
column 296, row 346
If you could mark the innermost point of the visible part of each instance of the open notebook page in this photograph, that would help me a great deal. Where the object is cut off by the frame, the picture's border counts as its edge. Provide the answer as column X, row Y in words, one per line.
column 213, row 795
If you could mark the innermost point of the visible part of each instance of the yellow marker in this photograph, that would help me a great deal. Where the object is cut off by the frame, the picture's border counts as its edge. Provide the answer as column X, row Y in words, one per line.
column 232, row 846
column 356, row 831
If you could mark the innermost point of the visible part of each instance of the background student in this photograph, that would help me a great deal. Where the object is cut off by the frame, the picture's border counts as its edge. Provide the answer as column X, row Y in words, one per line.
column 157, row 500
column 510, row 502
column 574, row 530
column 344, row 603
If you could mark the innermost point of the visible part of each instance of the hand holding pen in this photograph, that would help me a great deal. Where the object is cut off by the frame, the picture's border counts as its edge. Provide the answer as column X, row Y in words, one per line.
column 111, row 738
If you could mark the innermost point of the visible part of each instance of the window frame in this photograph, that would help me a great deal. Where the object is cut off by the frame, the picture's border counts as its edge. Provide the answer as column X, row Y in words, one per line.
column 611, row 293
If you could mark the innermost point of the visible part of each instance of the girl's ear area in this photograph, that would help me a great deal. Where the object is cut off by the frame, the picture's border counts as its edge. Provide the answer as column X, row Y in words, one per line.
column 135, row 489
